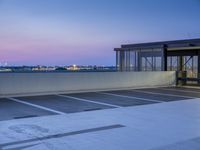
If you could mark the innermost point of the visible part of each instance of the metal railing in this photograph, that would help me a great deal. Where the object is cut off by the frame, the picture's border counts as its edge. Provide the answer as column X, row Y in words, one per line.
column 182, row 79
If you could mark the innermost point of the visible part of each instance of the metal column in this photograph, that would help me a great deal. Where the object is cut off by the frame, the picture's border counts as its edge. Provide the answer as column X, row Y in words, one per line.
column 139, row 63
column 117, row 61
column 122, row 61
column 128, row 60
column 180, row 67
column 198, row 66
column 164, row 58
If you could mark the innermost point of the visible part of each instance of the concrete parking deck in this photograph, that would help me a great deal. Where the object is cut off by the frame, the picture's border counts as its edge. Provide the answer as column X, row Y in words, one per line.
column 142, row 119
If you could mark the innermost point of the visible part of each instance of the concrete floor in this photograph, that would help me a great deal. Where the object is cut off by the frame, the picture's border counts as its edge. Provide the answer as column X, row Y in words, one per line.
column 142, row 119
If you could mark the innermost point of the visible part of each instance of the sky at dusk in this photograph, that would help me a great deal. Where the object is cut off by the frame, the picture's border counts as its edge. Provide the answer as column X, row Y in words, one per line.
column 85, row 32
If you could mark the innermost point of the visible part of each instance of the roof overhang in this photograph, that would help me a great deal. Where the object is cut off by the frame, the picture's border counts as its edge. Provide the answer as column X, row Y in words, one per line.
column 183, row 48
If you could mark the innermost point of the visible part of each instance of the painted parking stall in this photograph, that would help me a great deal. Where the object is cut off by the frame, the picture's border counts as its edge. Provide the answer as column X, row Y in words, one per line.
column 174, row 93
column 111, row 99
column 13, row 110
column 61, row 104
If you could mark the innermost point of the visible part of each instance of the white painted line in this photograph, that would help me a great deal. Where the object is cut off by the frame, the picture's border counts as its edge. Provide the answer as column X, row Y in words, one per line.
column 37, row 106
column 132, row 97
column 164, row 94
column 181, row 90
column 85, row 100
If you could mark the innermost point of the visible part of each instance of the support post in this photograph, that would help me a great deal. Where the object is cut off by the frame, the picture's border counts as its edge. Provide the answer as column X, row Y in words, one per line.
column 139, row 59
column 122, row 61
column 117, row 61
column 198, row 67
column 180, row 67
column 164, row 58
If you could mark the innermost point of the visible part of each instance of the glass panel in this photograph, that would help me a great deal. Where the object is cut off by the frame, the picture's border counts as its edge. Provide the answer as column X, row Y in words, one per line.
column 174, row 65
column 151, row 60
column 158, row 63
column 132, row 61
column 190, row 65
column 140, row 60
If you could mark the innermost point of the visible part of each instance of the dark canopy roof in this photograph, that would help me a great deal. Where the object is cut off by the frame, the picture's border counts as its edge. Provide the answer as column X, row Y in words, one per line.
column 169, row 44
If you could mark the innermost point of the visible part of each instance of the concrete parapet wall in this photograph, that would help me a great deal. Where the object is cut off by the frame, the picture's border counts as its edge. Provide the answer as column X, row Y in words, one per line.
column 51, row 83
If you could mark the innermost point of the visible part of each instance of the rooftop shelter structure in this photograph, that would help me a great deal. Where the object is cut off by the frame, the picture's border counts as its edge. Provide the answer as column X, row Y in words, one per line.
column 97, row 110
column 179, row 55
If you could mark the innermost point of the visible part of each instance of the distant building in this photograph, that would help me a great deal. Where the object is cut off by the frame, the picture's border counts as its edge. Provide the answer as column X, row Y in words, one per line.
column 179, row 55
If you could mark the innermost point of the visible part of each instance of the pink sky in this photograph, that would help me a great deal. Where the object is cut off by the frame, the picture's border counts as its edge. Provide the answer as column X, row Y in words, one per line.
column 85, row 32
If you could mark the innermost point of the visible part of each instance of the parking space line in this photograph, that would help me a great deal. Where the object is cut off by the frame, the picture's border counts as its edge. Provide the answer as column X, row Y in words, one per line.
column 85, row 100
column 37, row 106
column 181, row 90
column 132, row 97
column 164, row 94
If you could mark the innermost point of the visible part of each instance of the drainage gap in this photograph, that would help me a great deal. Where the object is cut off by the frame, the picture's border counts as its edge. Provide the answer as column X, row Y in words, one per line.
column 21, row 117
column 93, row 109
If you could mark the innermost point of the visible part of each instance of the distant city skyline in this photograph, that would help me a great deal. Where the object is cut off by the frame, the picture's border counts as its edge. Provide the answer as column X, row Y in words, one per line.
column 85, row 32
